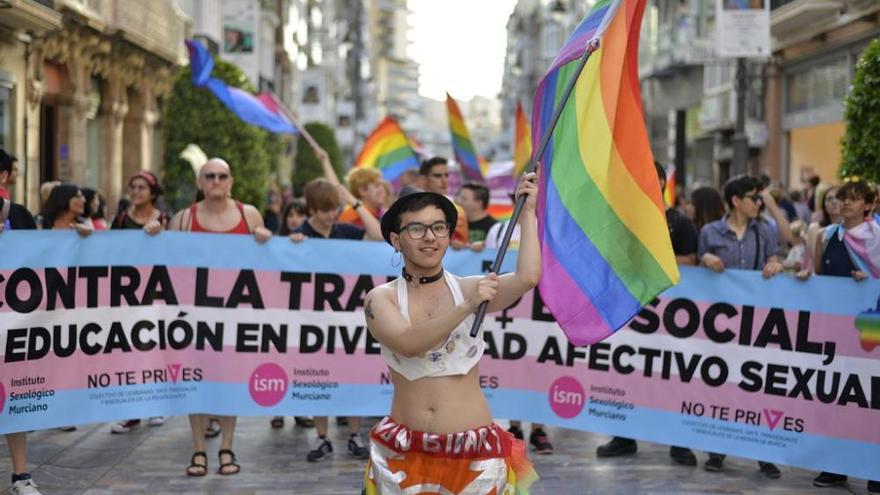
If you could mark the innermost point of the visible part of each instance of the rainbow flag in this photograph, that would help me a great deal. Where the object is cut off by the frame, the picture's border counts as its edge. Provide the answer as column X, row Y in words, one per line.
column 605, row 245
column 669, row 192
column 472, row 165
column 522, row 142
column 388, row 149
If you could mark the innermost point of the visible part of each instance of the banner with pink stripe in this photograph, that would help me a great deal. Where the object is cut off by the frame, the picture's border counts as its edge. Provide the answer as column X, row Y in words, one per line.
column 121, row 325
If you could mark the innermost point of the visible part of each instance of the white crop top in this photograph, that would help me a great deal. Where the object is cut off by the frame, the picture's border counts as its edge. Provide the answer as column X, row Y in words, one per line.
column 458, row 354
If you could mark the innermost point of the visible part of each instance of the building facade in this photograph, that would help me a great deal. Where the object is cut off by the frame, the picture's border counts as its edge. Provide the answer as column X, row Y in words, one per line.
column 536, row 30
column 83, row 82
column 815, row 46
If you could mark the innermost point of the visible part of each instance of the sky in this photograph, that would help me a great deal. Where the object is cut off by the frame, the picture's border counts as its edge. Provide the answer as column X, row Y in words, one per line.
column 459, row 46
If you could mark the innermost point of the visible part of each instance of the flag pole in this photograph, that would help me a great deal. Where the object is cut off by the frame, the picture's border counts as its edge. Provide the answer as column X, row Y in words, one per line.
column 290, row 116
column 592, row 46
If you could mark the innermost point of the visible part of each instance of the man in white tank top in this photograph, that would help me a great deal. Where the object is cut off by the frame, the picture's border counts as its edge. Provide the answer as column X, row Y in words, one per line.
column 439, row 437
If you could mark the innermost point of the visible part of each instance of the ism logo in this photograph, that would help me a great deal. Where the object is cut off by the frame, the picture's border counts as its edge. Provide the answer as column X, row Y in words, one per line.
column 268, row 384
column 567, row 397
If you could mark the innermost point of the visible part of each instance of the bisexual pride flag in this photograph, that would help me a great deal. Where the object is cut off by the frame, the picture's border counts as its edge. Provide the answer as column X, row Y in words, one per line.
column 249, row 108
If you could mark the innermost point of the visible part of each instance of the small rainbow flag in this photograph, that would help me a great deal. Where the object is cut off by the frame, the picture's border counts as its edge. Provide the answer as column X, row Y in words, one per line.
column 522, row 142
column 472, row 165
column 605, row 245
column 388, row 149
column 669, row 192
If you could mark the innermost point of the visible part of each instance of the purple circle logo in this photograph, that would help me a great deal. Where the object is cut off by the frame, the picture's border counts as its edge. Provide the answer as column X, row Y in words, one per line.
column 2, row 396
column 268, row 384
column 567, row 397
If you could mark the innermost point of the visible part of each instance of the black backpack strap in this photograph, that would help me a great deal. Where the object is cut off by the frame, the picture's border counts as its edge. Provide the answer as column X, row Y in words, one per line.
column 757, row 245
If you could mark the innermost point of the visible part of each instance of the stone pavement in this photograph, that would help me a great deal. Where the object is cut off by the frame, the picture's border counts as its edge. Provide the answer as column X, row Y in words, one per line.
column 152, row 461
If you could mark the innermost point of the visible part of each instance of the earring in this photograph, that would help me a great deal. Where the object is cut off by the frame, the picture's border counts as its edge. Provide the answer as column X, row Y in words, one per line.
column 398, row 258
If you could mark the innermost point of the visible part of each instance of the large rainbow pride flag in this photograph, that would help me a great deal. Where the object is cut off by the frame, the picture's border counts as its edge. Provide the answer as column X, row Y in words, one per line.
column 388, row 149
column 522, row 142
column 605, row 245
column 462, row 146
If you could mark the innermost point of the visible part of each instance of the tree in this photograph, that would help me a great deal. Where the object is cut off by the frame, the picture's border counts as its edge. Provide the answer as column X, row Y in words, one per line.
column 195, row 115
column 861, row 143
column 306, row 165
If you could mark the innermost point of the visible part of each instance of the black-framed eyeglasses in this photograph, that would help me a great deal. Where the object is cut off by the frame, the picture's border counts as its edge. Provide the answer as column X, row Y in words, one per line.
column 754, row 197
column 212, row 176
column 418, row 230
column 440, row 176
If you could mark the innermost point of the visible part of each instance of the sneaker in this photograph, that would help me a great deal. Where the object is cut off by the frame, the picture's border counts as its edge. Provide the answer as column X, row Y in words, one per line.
column 539, row 441
column 516, row 431
column 826, row 479
column 714, row 464
column 124, row 426
column 873, row 486
column 356, row 447
column 25, row 486
column 769, row 470
column 156, row 421
column 67, row 428
column 618, row 446
column 277, row 422
column 683, row 456
column 323, row 449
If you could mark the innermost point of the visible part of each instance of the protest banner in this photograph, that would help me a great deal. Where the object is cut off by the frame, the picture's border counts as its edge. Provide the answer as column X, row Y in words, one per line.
column 120, row 325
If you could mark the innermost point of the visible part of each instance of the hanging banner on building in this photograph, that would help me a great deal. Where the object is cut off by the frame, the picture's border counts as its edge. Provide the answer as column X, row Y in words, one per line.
column 743, row 28
column 121, row 325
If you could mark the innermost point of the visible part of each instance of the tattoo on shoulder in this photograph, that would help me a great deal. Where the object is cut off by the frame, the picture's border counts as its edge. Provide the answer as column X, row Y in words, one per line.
column 368, row 309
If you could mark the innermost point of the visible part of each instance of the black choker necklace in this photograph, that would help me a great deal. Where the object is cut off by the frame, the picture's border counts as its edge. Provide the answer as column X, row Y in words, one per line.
column 422, row 280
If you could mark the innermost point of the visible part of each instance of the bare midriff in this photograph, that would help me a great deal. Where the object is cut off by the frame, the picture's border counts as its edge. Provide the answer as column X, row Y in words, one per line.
column 442, row 404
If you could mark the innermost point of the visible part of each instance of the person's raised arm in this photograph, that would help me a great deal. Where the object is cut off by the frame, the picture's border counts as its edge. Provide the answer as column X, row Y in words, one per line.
column 371, row 224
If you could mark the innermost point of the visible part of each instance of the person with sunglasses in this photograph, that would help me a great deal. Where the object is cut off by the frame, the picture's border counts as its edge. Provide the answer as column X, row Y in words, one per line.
column 323, row 200
column 740, row 241
column 217, row 213
column 423, row 321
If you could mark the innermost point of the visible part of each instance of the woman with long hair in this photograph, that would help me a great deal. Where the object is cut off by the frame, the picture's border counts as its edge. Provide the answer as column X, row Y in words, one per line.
column 707, row 204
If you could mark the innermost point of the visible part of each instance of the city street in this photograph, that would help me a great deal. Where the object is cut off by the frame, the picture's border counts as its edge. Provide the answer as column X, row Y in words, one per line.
column 152, row 461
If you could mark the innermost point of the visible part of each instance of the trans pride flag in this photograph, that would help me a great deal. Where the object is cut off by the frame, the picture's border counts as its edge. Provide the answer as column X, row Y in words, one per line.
column 249, row 108
column 522, row 142
column 388, row 149
column 605, row 245
column 465, row 153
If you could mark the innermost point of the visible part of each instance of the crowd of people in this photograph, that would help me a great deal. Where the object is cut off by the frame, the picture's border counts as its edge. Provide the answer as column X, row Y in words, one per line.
column 750, row 224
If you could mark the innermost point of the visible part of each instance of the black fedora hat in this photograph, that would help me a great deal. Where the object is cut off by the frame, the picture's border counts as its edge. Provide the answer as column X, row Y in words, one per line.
column 409, row 194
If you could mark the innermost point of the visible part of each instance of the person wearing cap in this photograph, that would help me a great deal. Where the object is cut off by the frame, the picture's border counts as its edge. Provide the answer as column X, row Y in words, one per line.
column 440, row 426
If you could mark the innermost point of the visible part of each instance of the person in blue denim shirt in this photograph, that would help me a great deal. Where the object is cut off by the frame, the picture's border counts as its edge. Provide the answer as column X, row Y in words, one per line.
column 740, row 241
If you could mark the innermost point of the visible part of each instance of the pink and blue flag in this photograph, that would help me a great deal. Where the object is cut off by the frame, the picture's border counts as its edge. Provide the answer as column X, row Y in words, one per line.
column 260, row 111
column 605, row 245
